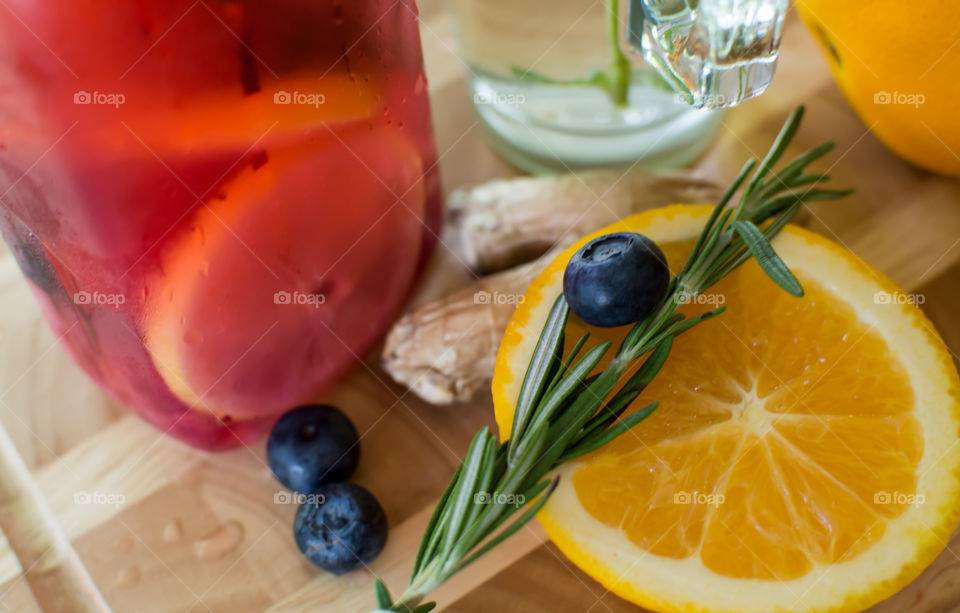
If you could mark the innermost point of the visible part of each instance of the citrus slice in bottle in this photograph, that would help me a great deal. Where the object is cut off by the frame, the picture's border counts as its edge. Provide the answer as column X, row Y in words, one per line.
column 292, row 271
column 220, row 120
column 804, row 455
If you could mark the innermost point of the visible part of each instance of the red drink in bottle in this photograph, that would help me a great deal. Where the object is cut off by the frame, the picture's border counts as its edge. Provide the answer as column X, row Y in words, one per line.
column 220, row 204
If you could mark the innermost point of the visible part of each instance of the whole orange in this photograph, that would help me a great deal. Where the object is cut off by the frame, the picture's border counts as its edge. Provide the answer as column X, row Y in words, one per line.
column 898, row 63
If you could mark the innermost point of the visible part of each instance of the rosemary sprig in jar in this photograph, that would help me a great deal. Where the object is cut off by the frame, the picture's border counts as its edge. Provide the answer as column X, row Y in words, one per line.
column 560, row 413
column 615, row 80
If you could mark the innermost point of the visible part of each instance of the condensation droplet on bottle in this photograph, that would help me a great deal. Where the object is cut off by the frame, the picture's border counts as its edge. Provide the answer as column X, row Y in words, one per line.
column 128, row 577
column 221, row 542
column 173, row 531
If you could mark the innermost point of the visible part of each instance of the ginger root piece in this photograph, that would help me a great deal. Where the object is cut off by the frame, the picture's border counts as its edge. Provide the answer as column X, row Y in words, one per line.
column 445, row 350
column 501, row 223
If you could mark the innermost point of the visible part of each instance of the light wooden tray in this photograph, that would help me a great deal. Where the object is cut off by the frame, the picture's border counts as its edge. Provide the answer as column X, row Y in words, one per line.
column 904, row 221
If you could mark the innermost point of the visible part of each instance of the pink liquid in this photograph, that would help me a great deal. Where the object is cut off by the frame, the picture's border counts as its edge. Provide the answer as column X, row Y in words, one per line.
column 220, row 205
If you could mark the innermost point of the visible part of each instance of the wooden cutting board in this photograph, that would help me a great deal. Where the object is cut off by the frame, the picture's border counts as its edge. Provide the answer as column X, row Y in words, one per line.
column 139, row 546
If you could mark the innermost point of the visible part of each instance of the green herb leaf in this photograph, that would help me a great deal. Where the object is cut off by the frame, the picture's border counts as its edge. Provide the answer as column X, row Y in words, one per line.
column 570, row 384
column 464, row 497
column 787, row 132
column 596, row 442
column 630, row 390
column 574, row 352
column 426, row 544
column 541, row 363
column 383, row 595
column 519, row 523
column 767, row 258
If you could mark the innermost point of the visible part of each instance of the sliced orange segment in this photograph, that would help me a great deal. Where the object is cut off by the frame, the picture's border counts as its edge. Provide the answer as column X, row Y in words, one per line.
column 275, row 287
column 225, row 121
column 804, row 455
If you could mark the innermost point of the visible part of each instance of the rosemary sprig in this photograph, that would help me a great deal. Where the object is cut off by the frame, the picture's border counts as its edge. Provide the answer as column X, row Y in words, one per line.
column 615, row 80
column 564, row 412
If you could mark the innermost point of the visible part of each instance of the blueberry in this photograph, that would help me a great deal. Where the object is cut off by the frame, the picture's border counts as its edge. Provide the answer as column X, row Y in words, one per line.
column 340, row 528
column 312, row 445
column 616, row 279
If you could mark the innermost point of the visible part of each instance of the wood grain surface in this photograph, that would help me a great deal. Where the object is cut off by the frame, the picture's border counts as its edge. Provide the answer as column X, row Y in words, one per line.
column 140, row 548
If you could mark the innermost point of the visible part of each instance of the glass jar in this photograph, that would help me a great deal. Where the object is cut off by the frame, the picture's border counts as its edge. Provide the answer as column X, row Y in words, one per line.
column 555, row 90
column 218, row 205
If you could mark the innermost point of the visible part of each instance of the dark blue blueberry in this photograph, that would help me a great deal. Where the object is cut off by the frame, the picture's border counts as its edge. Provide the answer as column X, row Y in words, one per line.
column 340, row 528
column 312, row 445
column 616, row 279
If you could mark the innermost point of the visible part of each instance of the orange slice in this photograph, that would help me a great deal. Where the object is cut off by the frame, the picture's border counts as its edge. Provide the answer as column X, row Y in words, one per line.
column 276, row 285
column 804, row 456
column 222, row 120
